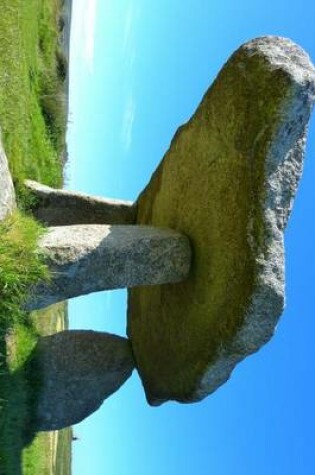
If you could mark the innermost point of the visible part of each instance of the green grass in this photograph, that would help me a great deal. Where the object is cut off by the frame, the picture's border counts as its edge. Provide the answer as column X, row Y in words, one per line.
column 32, row 92
column 40, row 458
column 15, row 398
column 20, row 265
column 36, row 458
column 63, row 456
column 33, row 124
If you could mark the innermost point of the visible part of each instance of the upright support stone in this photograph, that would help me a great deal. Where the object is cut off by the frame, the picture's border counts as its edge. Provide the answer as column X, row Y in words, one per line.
column 228, row 182
column 84, row 259
column 78, row 369
column 55, row 207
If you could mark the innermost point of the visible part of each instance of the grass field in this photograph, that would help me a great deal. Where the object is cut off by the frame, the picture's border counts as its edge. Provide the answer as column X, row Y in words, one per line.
column 33, row 73
column 32, row 97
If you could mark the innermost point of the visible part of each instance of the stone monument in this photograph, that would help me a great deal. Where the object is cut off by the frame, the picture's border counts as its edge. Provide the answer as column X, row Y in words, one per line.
column 210, row 224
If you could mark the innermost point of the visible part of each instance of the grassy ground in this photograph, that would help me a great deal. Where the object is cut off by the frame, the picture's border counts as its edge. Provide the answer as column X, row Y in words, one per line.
column 33, row 123
column 52, row 450
column 19, row 266
column 63, row 456
column 32, row 98
column 14, row 414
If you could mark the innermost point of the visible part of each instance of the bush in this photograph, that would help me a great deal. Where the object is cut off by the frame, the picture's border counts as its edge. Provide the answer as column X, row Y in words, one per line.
column 62, row 65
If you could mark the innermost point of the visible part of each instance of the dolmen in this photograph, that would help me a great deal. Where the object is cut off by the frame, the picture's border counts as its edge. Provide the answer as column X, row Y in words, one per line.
column 200, row 251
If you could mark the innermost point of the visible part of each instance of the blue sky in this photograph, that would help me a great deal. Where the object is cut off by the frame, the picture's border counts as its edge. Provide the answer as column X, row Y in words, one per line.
column 138, row 70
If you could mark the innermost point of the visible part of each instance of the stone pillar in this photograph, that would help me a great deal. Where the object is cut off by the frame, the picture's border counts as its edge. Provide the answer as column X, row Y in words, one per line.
column 77, row 370
column 90, row 258
column 61, row 207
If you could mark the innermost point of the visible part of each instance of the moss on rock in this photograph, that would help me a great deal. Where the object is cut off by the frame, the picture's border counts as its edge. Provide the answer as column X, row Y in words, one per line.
column 227, row 182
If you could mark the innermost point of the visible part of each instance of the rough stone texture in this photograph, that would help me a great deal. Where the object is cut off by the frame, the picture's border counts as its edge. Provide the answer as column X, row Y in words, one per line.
column 7, row 195
column 227, row 182
column 79, row 369
column 91, row 258
column 61, row 207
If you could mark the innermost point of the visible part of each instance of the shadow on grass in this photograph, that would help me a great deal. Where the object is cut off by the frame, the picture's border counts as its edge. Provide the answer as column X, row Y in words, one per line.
column 18, row 400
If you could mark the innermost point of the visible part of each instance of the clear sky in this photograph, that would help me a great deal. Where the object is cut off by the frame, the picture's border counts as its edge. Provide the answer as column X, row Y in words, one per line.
column 138, row 70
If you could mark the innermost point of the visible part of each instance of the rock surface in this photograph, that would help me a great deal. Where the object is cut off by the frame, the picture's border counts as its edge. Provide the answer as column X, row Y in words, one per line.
column 79, row 369
column 227, row 182
column 7, row 195
column 62, row 207
column 90, row 258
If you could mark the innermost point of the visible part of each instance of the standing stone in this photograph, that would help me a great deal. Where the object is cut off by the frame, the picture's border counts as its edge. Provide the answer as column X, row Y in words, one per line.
column 78, row 370
column 227, row 182
column 7, row 195
column 55, row 207
column 84, row 259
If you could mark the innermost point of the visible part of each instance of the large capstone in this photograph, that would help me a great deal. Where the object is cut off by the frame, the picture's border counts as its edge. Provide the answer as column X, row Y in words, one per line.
column 7, row 195
column 76, row 371
column 227, row 182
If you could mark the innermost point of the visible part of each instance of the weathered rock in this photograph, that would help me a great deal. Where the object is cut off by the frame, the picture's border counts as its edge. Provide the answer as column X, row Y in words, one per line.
column 7, row 195
column 78, row 370
column 228, row 182
column 90, row 258
column 55, row 207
